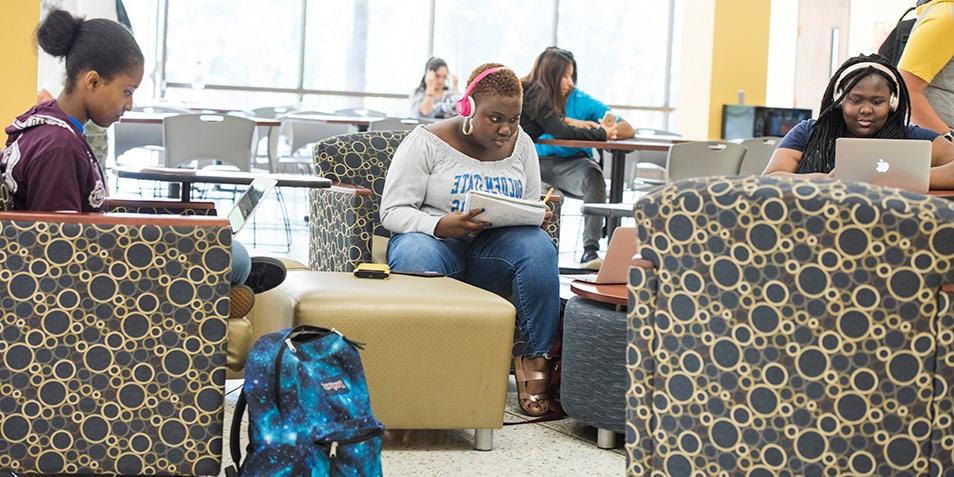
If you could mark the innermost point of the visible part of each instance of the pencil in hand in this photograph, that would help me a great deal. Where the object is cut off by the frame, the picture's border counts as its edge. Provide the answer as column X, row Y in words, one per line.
column 547, row 197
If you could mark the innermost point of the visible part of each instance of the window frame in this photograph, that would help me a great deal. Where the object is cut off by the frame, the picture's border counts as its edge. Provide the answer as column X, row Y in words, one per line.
column 162, row 85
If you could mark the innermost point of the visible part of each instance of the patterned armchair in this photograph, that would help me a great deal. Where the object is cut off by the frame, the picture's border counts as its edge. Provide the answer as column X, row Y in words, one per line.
column 784, row 327
column 345, row 225
column 112, row 343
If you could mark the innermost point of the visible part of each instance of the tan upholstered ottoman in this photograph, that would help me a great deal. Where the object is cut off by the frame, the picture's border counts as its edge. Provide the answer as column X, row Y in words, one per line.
column 437, row 351
column 242, row 332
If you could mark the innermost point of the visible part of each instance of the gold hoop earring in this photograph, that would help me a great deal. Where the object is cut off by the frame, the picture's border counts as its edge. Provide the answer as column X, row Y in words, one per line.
column 468, row 126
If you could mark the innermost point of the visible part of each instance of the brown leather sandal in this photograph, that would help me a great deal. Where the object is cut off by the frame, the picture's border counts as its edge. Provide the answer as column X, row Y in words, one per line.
column 534, row 405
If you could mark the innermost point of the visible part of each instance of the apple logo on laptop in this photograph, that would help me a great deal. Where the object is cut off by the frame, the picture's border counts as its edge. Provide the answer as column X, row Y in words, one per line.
column 882, row 166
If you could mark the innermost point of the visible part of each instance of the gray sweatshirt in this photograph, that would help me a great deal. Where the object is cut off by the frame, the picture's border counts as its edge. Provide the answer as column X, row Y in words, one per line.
column 429, row 179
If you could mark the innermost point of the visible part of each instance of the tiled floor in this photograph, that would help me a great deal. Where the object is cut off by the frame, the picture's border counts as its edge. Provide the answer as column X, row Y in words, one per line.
column 558, row 448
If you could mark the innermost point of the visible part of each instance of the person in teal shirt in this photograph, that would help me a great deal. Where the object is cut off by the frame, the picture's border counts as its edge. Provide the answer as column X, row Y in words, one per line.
column 573, row 170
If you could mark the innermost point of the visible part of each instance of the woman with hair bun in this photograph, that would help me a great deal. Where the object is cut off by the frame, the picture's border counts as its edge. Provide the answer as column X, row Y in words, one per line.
column 48, row 165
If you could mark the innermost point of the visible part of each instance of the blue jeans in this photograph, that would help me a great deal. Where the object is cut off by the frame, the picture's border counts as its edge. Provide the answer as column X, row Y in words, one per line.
column 241, row 264
column 520, row 262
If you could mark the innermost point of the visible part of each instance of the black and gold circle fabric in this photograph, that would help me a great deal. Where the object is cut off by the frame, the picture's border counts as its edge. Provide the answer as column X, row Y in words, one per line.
column 360, row 159
column 791, row 328
column 341, row 231
column 112, row 348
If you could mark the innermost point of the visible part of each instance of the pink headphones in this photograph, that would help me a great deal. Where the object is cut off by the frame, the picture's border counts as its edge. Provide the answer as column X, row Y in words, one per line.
column 465, row 106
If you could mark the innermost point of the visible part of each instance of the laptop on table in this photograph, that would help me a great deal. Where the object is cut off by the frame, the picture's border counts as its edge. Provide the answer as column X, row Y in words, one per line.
column 901, row 163
column 619, row 256
column 249, row 201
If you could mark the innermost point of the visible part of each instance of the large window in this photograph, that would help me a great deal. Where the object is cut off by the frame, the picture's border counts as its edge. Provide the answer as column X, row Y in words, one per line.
column 142, row 18
column 620, row 60
column 366, row 45
column 468, row 34
column 331, row 54
column 233, row 42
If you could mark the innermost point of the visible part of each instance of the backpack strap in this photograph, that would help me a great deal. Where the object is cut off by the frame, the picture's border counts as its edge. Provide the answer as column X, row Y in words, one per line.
column 235, row 436
column 276, row 381
column 906, row 12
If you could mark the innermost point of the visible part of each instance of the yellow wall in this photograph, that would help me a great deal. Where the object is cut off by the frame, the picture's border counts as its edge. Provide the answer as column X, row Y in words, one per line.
column 17, row 58
column 740, row 43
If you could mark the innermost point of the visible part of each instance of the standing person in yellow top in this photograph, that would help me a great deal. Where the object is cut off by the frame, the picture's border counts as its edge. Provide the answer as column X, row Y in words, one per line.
column 927, row 66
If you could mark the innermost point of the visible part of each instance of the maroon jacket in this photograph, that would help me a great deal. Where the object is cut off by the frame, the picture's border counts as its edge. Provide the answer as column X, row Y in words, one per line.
column 47, row 164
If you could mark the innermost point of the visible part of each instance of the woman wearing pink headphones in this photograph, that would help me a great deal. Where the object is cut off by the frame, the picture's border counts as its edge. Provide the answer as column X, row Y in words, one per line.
column 483, row 148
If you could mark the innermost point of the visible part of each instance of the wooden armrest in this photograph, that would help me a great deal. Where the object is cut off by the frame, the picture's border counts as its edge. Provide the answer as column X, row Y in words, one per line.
column 112, row 219
column 342, row 188
column 164, row 204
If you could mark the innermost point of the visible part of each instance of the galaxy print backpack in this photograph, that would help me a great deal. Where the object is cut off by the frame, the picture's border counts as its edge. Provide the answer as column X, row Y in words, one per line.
column 308, row 407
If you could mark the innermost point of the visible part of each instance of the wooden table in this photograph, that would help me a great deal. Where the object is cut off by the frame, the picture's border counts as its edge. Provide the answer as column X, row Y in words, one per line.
column 619, row 149
column 187, row 177
column 362, row 122
column 611, row 294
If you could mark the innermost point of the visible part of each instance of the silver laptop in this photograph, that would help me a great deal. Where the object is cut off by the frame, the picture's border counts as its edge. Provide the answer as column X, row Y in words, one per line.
column 901, row 163
column 249, row 201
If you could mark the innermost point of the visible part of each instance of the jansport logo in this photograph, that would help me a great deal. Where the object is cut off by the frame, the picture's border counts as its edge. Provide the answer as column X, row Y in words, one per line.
column 335, row 386
column 882, row 166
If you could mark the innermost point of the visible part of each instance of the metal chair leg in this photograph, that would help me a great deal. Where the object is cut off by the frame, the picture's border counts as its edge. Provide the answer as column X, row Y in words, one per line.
column 483, row 439
column 605, row 439
column 285, row 221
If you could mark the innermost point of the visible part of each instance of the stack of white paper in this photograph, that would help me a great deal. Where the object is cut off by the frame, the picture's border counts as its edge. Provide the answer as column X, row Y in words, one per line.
column 503, row 211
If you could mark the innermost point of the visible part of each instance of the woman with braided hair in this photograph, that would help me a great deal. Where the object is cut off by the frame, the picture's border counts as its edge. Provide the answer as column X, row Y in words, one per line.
column 866, row 98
